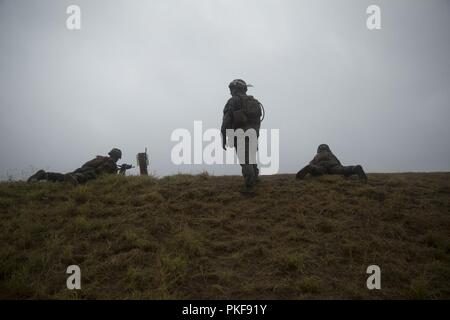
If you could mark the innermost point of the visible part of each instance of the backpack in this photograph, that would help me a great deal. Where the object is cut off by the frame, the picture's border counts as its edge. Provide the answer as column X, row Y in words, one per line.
column 249, row 113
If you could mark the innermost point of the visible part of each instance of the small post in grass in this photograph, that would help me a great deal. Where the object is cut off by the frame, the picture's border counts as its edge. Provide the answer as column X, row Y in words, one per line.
column 142, row 160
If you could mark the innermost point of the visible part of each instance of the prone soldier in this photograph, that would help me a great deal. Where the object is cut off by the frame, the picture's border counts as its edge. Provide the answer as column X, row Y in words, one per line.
column 325, row 162
column 88, row 171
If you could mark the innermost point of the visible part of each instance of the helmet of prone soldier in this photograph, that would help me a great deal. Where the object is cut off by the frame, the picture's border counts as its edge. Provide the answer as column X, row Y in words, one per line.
column 323, row 147
column 239, row 85
column 115, row 153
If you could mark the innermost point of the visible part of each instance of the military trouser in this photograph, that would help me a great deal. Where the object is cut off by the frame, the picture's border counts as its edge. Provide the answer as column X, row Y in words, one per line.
column 346, row 171
column 250, row 170
column 80, row 175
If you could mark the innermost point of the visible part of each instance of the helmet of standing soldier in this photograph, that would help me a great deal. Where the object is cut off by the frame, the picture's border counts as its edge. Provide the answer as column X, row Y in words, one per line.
column 239, row 85
column 115, row 153
column 323, row 147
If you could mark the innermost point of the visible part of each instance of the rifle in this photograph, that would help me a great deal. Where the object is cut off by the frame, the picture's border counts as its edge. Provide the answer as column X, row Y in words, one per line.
column 124, row 167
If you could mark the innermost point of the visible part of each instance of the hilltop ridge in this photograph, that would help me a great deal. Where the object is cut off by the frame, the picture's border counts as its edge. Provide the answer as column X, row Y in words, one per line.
column 197, row 237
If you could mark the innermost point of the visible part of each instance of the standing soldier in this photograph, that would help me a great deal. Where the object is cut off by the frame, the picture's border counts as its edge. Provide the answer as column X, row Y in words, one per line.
column 325, row 162
column 88, row 171
column 243, row 112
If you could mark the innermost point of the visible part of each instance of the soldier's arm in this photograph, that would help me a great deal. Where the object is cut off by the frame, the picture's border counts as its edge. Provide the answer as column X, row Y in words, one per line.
column 227, row 120
column 315, row 160
column 321, row 157
column 108, row 166
column 94, row 163
column 113, row 167
column 335, row 160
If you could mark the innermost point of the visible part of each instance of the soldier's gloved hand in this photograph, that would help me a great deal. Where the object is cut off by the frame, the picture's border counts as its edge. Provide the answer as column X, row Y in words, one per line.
column 224, row 145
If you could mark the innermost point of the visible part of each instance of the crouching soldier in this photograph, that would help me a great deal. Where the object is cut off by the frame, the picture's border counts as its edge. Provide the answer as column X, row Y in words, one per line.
column 325, row 162
column 88, row 171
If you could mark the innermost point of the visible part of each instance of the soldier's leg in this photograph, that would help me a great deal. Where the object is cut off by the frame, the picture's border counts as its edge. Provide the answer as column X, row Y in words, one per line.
column 40, row 175
column 256, row 170
column 303, row 172
column 55, row 177
column 248, row 169
column 348, row 171
column 84, row 176
column 340, row 170
column 255, row 165
column 358, row 170
column 250, row 173
column 312, row 170
column 69, row 177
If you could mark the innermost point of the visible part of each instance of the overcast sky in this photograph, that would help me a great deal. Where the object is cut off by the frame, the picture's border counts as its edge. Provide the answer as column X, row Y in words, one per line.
column 137, row 70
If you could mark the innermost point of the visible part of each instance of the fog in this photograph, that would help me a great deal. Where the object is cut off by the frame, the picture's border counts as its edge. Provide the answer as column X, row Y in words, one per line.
column 138, row 70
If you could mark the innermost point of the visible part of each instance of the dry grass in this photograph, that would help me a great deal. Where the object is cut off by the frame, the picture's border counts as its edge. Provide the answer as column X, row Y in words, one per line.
column 197, row 237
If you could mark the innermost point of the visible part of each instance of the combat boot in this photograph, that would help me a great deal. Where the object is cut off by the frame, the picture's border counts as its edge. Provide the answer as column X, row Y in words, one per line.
column 249, row 175
column 302, row 173
column 40, row 175
column 71, row 178
column 256, row 171
column 360, row 172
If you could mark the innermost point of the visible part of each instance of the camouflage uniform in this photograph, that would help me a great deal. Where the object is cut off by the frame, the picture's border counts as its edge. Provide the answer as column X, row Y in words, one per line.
column 325, row 162
column 236, row 104
column 88, row 171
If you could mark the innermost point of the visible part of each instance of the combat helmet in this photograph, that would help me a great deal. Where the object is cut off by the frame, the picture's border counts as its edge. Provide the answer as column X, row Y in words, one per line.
column 239, row 84
column 323, row 147
column 115, row 153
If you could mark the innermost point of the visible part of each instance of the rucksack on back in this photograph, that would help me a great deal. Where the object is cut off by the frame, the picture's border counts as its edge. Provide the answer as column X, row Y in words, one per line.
column 252, row 108
column 250, row 112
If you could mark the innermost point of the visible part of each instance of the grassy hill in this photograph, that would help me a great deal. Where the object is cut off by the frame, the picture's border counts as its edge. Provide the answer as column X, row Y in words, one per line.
column 198, row 237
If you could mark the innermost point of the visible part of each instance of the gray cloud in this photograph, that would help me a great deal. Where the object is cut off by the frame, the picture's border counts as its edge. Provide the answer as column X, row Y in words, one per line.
column 138, row 70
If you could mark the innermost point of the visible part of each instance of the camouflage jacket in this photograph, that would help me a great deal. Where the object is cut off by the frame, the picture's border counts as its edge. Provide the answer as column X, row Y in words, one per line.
column 325, row 159
column 101, row 165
